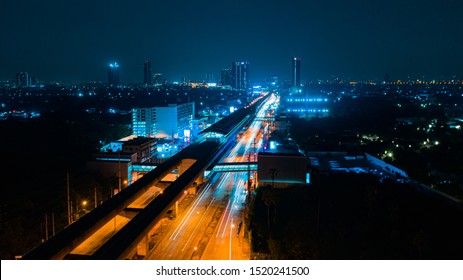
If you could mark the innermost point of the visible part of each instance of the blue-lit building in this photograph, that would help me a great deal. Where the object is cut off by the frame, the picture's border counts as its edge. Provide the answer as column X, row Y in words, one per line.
column 23, row 79
column 158, row 79
column 296, row 72
column 305, row 106
column 226, row 77
column 240, row 75
column 210, row 78
column 113, row 73
column 175, row 121
column 170, row 121
column 144, row 122
column 147, row 73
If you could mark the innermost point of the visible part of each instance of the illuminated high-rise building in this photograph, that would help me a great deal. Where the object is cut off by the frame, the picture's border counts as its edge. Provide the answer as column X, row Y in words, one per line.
column 164, row 120
column 158, row 79
column 144, row 122
column 226, row 77
column 23, row 79
column 175, row 120
column 209, row 78
column 296, row 72
column 240, row 74
column 147, row 72
column 113, row 73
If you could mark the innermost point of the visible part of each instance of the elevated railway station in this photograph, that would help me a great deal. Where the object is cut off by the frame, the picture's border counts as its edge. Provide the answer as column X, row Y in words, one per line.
column 120, row 227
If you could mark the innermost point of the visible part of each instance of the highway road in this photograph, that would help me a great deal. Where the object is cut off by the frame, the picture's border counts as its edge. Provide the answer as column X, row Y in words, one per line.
column 211, row 226
column 215, row 207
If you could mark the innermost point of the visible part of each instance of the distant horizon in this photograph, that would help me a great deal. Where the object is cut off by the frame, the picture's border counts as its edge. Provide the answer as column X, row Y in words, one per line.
column 331, row 78
column 354, row 40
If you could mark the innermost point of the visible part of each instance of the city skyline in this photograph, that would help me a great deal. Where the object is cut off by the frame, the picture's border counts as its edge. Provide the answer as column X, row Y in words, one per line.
column 356, row 40
column 350, row 149
column 232, row 130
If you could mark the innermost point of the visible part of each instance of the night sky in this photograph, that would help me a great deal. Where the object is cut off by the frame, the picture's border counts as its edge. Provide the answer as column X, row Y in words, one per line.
column 357, row 39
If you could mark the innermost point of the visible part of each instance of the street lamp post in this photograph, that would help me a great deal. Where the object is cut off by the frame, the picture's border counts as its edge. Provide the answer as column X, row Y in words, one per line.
column 68, row 200
column 231, row 235
column 119, row 167
column 84, row 204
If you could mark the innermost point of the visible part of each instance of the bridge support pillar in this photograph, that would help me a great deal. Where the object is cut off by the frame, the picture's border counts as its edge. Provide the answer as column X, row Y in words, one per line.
column 176, row 208
column 200, row 179
column 142, row 247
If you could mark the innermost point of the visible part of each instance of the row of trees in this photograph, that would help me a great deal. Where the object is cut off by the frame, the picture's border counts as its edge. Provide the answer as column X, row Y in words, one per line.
column 354, row 216
column 39, row 154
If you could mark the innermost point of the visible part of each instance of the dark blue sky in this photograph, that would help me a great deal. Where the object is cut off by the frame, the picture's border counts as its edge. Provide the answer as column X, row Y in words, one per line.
column 357, row 39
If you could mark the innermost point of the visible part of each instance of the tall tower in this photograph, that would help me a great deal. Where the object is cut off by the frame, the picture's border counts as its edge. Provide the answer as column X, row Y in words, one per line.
column 209, row 78
column 113, row 73
column 226, row 77
column 296, row 72
column 158, row 80
column 23, row 79
column 147, row 72
column 240, row 74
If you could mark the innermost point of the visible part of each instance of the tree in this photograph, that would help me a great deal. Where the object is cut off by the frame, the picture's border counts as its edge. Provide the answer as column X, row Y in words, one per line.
column 270, row 198
column 273, row 172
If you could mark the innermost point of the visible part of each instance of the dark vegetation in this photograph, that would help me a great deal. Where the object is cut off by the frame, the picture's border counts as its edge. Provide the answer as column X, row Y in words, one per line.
column 438, row 165
column 37, row 154
column 353, row 216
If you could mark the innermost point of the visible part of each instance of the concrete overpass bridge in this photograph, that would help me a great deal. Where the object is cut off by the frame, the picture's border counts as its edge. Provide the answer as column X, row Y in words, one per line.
column 120, row 228
column 219, row 167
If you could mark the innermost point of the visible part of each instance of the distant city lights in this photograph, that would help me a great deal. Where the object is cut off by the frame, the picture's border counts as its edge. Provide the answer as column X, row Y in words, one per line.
column 308, row 110
column 307, row 100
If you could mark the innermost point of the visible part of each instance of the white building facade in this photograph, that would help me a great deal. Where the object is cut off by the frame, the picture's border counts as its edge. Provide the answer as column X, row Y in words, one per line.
column 173, row 121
